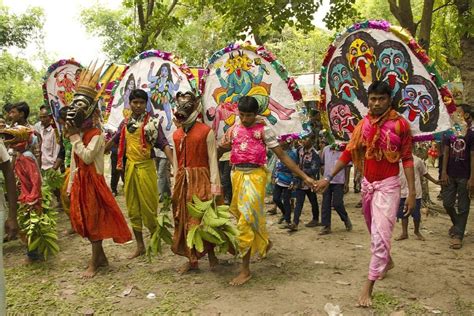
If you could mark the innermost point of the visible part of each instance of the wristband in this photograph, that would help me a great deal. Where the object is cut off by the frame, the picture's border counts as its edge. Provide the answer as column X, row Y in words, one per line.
column 329, row 178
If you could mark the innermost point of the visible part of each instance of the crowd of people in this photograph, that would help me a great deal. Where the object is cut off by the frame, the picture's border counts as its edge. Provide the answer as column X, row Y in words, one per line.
column 232, row 170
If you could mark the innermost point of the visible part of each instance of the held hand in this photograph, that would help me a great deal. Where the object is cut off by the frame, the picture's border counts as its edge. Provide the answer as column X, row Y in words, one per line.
column 444, row 179
column 11, row 228
column 409, row 205
column 310, row 182
column 321, row 185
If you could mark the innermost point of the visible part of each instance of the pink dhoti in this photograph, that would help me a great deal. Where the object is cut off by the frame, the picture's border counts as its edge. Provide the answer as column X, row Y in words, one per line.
column 380, row 200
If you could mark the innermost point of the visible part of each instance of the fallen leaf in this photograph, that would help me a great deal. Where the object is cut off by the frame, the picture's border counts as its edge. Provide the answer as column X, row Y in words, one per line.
column 343, row 283
column 127, row 291
column 68, row 292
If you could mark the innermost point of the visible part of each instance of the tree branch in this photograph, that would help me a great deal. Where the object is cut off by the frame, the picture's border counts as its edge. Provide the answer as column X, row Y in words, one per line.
column 149, row 10
column 159, row 29
column 443, row 5
column 402, row 11
column 141, row 17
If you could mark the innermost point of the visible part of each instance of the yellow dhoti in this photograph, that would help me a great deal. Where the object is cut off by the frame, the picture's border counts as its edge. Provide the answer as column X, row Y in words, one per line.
column 141, row 194
column 249, row 206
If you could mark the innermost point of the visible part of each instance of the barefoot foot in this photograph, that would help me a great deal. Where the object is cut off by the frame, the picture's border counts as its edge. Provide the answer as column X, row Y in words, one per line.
column 419, row 236
column 188, row 266
column 139, row 252
column 90, row 272
column 242, row 278
column 401, row 237
column 365, row 298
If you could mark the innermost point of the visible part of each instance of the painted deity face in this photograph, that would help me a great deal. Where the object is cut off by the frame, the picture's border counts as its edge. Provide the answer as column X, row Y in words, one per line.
column 360, row 57
column 164, row 72
column 342, row 121
column 342, row 82
column 392, row 67
column 418, row 101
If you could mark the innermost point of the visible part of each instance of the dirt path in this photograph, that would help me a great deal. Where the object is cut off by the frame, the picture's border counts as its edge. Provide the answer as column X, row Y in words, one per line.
column 303, row 272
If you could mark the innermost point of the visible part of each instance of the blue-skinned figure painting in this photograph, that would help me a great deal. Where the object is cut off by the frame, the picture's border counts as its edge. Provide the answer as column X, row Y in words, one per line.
column 393, row 65
column 341, row 80
column 242, row 81
column 162, row 90
column 418, row 104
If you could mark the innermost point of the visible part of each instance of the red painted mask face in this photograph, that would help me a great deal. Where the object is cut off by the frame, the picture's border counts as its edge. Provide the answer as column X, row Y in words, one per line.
column 342, row 121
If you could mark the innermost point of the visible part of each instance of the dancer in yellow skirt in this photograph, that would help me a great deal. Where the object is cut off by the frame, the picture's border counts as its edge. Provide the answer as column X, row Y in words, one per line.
column 248, row 142
column 136, row 137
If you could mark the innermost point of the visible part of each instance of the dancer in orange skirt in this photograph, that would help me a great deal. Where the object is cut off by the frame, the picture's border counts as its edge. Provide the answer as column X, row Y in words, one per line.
column 94, row 212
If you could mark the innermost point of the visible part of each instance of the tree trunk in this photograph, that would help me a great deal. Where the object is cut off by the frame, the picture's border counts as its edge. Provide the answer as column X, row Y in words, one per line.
column 466, row 66
column 401, row 10
column 425, row 24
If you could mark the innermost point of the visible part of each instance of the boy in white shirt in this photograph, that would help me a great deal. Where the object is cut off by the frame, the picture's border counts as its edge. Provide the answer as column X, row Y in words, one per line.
column 420, row 171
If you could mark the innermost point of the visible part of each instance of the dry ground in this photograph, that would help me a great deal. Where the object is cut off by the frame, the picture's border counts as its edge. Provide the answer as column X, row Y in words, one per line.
column 303, row 272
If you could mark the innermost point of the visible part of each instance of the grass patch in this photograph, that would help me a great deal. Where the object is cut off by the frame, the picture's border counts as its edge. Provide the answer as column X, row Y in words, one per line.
column 384, row 303
column 463, row 307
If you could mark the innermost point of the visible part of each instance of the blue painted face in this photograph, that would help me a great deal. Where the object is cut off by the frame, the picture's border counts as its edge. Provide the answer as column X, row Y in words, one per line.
column 419, row 102
column 164, row 72
column 392, row 68
column 342, row 83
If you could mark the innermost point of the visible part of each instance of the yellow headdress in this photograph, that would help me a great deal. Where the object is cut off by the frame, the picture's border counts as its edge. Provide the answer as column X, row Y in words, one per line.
column 88, row 82
column 88, row 93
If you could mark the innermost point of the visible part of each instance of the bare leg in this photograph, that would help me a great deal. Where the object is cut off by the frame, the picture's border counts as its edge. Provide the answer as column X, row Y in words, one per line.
column 404, row 234
column 244, row 274
column 365, row 297
column 390, row 266
column 418, row 235
column 98, row 259
column 213, row 261
column 188, row 266
column 140, row 245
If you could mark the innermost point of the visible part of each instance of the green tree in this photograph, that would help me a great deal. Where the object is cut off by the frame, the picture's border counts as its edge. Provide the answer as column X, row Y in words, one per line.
column 196, row 27
column 262, row 17
column 111, row 27
column 19, row 30
column 300, row 52
column 19, row 81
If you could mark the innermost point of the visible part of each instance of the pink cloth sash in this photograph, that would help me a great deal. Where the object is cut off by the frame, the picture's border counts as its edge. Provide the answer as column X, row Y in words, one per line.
column 380, row 200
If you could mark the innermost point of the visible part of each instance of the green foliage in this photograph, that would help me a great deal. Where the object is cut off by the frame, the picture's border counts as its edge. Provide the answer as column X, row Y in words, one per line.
column 162, row 232
column 300, row 52
column 53, row 179
column 215, row 226
column 111, row 26
column 262, row 17
column 40, row 226
column 19, row 30
column 19, row 81
column 192, row 29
